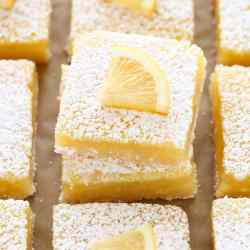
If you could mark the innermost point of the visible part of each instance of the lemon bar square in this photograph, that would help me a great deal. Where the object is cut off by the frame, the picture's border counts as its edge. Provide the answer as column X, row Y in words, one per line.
column 24, row 30
column 85, row 126
column 88, row 180
column 231, row 226
column 15, row 225
column 79, row 226
column 172, row 19
column 233, row 36
column 230, row 91
column 18, row 101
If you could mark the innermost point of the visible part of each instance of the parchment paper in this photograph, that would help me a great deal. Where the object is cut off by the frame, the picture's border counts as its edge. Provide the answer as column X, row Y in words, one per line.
column 49, row 164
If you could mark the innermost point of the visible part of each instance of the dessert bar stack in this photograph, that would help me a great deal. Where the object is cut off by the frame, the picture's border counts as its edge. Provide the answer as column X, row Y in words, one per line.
column 125, row 129
column 112, row 154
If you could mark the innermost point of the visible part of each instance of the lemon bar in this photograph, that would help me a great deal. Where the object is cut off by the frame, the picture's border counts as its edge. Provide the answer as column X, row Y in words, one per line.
column 85, row 126
column 24, row 30
column 233, row 36
column 231, row 226
column 85, row 180
column 230, row 89
column 79, row 226
column 15, row 225
column 171, row 19
column 18, row 101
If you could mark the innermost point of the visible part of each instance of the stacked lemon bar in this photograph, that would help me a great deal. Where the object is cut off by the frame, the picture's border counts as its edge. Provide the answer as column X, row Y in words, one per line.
column 24, row 29
column 127, row 117
column 165, row 18
column 128, row 109
column 233, row 38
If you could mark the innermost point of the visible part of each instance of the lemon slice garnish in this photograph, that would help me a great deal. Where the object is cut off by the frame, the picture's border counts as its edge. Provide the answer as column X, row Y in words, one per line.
column 139, row 239
column 145, row 7
column 136, row 81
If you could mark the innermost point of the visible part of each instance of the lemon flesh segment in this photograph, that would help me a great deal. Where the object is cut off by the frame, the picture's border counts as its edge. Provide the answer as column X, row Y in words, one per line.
column 145, row 7
column 136, row 81
column 6, row 4
column 142, row 238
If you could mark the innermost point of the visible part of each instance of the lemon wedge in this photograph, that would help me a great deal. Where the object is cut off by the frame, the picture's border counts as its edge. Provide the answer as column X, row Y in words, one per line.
column 139, row 239
column 145, row 7
column 136, row 81
column 6, row 4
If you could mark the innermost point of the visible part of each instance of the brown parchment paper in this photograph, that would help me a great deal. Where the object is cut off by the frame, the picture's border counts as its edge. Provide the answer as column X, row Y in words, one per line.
column 49, row 164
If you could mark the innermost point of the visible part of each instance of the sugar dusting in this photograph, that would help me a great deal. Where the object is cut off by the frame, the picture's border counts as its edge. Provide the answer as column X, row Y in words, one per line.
column 234, row 91
column 13, row 224
column 78, row 226
column 27, row 21
column 16, row 128
column 234, row 18
column 231, row 224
